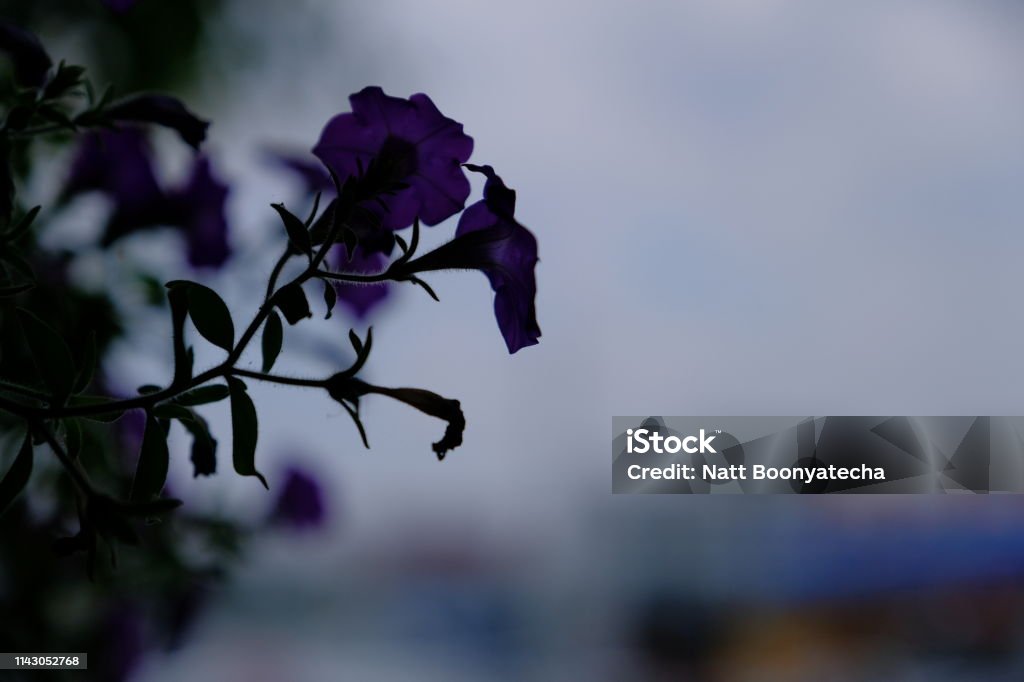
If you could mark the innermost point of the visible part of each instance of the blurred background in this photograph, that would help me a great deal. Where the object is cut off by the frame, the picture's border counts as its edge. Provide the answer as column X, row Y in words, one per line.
column 743, row 207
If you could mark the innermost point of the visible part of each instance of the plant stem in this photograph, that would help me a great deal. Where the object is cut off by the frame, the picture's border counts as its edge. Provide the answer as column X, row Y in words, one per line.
column 278, row 379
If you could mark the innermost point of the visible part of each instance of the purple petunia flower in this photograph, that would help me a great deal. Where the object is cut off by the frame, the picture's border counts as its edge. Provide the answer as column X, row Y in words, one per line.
column 360, row 299
column 300, row 504
column 119, row 164
column 416, row 143
column 199, row 207
column 489, row 239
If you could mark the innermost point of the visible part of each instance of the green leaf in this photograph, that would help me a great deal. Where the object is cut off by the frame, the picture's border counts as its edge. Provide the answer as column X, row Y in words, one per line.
column 291, row 299
column 172, row 411
column 203, row 395
column 244, row 431
column 16, row 478
column 51, row 354
column 273, row 338
column 151, row 472
column 210, row 315
column 298, row 235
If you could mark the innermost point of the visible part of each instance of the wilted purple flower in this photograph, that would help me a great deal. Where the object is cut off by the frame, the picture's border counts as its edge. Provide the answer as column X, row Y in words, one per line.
column 300, row 504
column 27, row 55
column 489, row 239
column 119, row 164
column 162, row 110
column 416, row 143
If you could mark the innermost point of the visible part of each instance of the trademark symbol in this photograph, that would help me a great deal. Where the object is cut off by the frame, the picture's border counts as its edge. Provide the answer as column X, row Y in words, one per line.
column 718, row 430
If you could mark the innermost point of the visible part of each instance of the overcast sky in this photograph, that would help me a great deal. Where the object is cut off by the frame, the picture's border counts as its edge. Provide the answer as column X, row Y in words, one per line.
column 743, row 207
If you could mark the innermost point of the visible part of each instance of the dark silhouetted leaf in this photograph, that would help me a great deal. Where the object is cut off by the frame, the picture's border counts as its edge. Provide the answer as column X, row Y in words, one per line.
column 51, row 354
column 298, row 235
column 273, row 338
column 171, row 411
column 203, row 395
column 16, row 478
column 210, row 315
column 292, row 301
column 330, row 298
column 151, row 472
column 65, row 78
column 244, row 431
column 354, row 340
column 147, row 389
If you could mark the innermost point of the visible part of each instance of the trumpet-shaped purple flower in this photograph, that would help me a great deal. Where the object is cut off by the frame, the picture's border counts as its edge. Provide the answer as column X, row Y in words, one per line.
column 162, row 110
column 490, row 239
column 300, row 504
column 119, row 164
column 414, row 142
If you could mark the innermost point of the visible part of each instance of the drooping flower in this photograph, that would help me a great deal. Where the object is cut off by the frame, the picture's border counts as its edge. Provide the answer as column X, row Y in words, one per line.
column 416, row 144
column 300, row 504
column 490, row 239
column 119, row 164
